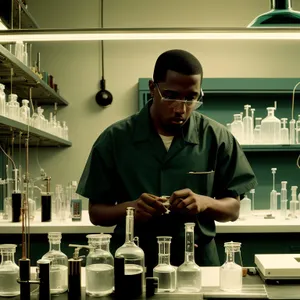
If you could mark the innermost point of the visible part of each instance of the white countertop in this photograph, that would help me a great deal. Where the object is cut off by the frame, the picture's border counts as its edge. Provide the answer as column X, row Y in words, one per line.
column 255, row 224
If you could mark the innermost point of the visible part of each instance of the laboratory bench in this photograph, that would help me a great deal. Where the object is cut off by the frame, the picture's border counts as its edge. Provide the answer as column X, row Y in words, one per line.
column 253, row 288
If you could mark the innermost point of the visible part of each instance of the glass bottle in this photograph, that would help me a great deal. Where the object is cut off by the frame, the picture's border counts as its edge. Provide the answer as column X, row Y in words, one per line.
column 189, row 273
column 237, row 128
column 99, row 266
column 245, row 208
column 133, row 255
column 2, row 100
column 298, row 130
column 13, row 107
column 9, row 272
column 270, row 128
column 257, row 131
column 285, row 139
column 248, row 129
column 65, row 130
column 164, row 271
column 59, row 264
column 25, row 112
column 231, row 272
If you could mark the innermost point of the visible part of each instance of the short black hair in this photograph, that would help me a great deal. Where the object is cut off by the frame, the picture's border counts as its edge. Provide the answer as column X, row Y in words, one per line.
column 176, row 60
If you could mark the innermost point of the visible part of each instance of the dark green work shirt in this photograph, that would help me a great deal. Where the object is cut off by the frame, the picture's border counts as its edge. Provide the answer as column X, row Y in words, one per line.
column 129, row 158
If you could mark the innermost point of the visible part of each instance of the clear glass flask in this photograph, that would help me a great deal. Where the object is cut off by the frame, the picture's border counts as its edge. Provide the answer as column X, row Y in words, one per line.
column 13, row 107
column 2, row 100
column 231, row 272
column 9, row 272
column 59, row 264
column 237, row 128
column 270, row 128
column 285, row 139
column 189, row 273
column 99, row 266
column 257, row 131
column 133, row 255
column 164, row 271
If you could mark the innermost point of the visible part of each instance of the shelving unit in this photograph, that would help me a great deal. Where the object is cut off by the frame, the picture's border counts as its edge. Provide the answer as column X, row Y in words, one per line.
column 23, row 78
column 268, row 148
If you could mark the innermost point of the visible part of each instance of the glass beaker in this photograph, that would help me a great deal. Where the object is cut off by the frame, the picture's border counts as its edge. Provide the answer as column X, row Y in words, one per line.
column 9, row 272
column 133, row 256
column 59, row 264
column 231, row 272
column 164, row 271
column 189, row 273
column 99, row 266
column 270, row 128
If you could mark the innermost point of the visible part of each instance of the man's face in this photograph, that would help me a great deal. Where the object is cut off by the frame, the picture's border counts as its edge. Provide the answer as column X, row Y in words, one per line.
column 172, row 115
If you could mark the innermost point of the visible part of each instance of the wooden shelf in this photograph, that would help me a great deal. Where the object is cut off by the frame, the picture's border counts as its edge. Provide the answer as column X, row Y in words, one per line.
column 271, row 148
column 23, row 78
column 8, row 126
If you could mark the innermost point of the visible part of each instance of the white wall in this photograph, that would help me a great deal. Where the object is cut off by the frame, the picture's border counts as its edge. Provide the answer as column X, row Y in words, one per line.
column 76, row 66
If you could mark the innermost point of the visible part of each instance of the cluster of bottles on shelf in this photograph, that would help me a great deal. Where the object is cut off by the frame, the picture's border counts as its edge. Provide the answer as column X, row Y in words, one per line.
column 270, row 130
column 11, row 109
column 247, row 204
column 125, row 273
column 65, row 204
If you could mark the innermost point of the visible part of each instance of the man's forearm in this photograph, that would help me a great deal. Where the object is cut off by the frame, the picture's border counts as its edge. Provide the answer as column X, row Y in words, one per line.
column 223, row 210
column 108, row 215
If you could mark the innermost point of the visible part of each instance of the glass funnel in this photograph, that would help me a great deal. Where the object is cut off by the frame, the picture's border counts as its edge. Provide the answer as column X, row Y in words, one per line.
column 164, row 271
column 231, row 272
column 99, row 266
column 9, row 272
column 133, row 255
column 59, row 264
column 189, row 273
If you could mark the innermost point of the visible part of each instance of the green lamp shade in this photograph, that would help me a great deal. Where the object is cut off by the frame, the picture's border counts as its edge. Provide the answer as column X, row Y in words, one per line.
column 280, row 16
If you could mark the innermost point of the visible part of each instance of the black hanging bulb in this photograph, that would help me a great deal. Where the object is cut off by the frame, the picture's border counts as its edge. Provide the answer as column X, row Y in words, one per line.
column 103, row 97
column 281, row 15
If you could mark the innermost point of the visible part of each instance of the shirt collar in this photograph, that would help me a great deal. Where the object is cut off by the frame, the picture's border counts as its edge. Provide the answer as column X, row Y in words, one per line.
column 144, row 127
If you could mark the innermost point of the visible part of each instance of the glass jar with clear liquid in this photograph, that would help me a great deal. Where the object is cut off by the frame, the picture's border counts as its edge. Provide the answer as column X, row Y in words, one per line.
column 9, row 272
column 59, row 264
column 99, row 266
column 189, row 273
column 271, row 128
column 164, row 271
column 133, row 255
column 13, row 107
column 231, row 272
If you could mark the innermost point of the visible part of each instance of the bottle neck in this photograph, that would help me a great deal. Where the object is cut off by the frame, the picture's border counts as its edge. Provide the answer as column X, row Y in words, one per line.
column 281, row 4
column 189, row 246
column 6, row 257
column 129, row 229
column 54, row 246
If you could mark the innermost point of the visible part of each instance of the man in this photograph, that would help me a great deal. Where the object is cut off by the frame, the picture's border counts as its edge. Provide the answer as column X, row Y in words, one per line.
column 168, row 149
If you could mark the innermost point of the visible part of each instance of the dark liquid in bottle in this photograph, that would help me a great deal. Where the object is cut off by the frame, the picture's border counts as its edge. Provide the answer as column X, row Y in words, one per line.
column 46, row 208
column 16, row 199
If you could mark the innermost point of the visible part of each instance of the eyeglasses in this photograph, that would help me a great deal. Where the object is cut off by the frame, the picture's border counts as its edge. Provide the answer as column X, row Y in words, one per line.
column 173, row 102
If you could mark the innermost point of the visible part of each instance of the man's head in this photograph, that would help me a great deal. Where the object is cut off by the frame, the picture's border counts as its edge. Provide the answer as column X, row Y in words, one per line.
column 177, row 76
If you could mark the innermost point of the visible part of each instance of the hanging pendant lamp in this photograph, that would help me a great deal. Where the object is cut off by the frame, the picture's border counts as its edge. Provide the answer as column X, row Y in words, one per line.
column 281, row 15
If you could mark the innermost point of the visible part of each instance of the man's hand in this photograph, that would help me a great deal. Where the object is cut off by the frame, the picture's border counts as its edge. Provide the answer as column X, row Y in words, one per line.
column 148, row 206
column 185, row 201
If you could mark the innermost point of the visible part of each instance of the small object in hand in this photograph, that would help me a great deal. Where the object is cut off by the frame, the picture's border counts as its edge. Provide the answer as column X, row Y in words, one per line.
column 166, row 203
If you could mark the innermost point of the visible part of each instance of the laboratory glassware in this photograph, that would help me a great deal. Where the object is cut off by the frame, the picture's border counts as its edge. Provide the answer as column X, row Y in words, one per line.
column 133, row 256
column 292, row 131
column 189, row 273
column 237, row 128
column 99, row 266
column 257, row 131
column 16, row 197
column 245, row 208
column 298, row 130
column 59, row 264
column 65, row 131
column 283, row 200
column 270, row 128
column 46, row 202
column 164, row 271
column 25, row 112
column 9, row 271
column 294, row 203
column 2, row 100
column 284, row 132
column 228, row 126
column 231, row 272
column 248, row 129
column 13, row 107
column 273, row 194
column 252, row 117
column 252, row 192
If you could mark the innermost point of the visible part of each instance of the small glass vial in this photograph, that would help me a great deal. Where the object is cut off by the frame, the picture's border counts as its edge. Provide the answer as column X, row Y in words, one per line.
column 99, row 266
column 164, row 271
column 59, row 264
column 13, row 107
column 2, row 100
column 25, row 112
column 231, row 272
column 189, row 273
column 9, row 272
